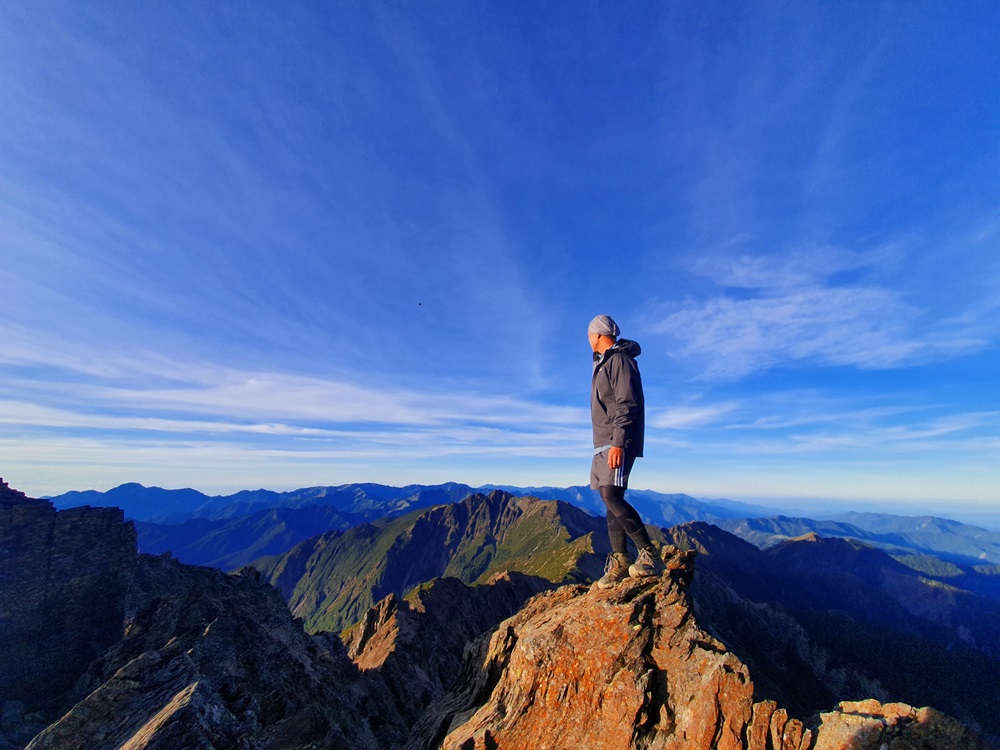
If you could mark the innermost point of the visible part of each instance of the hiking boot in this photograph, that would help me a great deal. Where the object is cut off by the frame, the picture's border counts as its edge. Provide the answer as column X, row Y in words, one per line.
column 615, row 571
column 649, row 563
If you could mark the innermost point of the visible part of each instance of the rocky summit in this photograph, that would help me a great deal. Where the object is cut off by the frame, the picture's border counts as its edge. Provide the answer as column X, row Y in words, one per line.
column 629, row 667
column 104, row 648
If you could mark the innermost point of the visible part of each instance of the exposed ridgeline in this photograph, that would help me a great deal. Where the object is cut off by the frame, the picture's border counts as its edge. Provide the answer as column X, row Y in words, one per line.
column 195, row 658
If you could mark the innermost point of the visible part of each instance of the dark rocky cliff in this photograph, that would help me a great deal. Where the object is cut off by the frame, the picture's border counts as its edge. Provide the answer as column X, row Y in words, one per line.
column 62, row 594
column 103, row 648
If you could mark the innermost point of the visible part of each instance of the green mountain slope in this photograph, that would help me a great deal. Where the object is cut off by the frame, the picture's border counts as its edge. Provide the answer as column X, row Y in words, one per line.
column 330, row 581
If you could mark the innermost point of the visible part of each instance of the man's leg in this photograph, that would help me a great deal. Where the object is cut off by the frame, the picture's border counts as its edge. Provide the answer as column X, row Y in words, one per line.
column 648, row 562
column 616, row 533
column 619, row 561
column 626, row 518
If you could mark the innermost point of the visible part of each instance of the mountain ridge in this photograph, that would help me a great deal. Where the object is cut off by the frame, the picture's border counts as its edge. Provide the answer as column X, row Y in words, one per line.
column 201, row 658
column 818, row 632
column 953, row 541
column 371, row 500
column 341, row 574
column 798, row 603
column 231, row 543
column 953, row 552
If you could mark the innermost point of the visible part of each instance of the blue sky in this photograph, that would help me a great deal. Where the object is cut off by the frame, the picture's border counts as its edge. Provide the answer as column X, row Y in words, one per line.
column 289, row 244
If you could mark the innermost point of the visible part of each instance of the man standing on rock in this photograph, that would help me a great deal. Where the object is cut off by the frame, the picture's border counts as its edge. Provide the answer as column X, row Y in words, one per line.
column 617, row 409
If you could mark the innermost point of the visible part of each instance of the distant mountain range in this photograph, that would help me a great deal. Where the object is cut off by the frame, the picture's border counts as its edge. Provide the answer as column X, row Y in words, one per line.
column 958, row 542
column 366, row 501
column 231, row 530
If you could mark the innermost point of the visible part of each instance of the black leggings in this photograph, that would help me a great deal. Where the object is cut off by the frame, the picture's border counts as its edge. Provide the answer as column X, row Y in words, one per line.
column 623, row 519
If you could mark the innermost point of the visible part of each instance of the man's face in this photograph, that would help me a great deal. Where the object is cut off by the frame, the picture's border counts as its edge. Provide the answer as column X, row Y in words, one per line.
column 594, row 338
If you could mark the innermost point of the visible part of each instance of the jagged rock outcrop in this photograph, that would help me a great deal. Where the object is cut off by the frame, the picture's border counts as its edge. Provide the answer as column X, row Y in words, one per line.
column 410, row 649
column 212, row 660
column 150, row 654
column 630, row 668
column 870, row 725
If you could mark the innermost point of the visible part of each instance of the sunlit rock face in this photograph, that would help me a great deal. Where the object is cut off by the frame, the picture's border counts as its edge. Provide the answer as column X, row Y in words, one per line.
column 629, row 667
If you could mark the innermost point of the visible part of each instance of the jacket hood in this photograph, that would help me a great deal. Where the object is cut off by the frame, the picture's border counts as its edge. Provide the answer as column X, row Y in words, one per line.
column 627, row 346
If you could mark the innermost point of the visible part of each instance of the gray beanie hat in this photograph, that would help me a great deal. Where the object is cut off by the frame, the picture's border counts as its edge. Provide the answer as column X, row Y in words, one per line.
column 603, row 325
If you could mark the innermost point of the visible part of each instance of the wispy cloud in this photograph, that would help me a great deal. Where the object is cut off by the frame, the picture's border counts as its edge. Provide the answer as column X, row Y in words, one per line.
column 972, row 431
column 224, row 428
column 866, row 328
column 176, row 397
column 823, row 308
column 732, row 266
column 809, row 421
column 686, row 417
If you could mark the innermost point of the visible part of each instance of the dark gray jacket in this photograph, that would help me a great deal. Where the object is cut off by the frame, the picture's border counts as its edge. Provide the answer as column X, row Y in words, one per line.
column 617, row 406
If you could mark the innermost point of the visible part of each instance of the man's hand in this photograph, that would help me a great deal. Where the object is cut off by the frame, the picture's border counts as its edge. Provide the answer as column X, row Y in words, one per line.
column 616, row 457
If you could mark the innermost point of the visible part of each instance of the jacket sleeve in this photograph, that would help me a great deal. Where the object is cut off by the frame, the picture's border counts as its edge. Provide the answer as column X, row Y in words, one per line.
column 622, row 374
